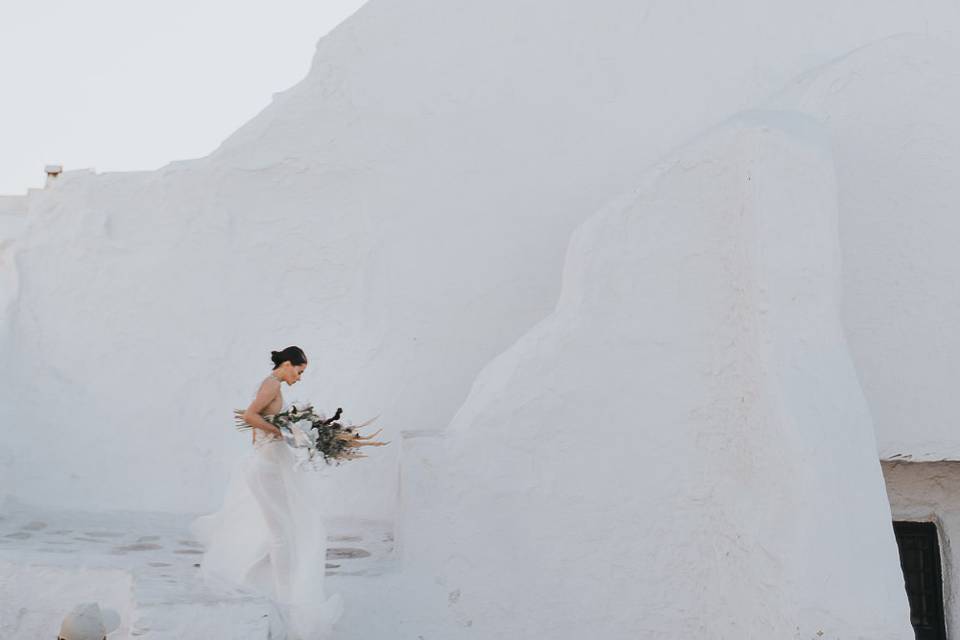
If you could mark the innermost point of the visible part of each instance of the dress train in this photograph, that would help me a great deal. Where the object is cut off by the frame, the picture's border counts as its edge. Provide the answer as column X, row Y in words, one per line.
column 269, row 537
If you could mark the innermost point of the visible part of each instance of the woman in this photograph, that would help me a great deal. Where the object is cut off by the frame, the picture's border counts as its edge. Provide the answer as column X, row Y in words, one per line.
column 269, row 535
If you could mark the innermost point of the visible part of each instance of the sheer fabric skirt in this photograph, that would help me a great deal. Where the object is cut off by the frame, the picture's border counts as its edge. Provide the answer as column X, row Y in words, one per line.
column 269, row 538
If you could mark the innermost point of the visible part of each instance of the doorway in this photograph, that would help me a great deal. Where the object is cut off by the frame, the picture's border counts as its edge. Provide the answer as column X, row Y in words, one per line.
column 922, row 577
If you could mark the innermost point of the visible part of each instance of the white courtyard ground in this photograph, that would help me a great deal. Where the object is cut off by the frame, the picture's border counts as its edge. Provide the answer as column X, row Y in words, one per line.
column 144, row 565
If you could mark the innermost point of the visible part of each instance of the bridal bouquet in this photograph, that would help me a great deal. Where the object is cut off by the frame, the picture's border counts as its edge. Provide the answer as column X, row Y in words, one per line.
column 323, row 439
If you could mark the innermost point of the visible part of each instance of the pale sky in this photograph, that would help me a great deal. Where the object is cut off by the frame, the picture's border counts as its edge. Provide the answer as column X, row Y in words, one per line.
column 121, row 85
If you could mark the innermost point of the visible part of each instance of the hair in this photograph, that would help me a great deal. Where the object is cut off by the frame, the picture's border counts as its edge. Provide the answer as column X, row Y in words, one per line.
column 294, row 354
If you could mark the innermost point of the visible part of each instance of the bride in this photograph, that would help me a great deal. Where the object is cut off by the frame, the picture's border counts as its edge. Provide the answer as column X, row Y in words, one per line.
column 269, row 535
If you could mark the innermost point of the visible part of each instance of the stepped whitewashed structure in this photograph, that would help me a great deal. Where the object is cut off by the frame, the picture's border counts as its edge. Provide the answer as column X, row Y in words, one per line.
column 562, row 469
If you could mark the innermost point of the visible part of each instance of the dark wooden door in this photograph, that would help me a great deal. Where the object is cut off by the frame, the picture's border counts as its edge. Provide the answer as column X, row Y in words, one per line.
column 920, row 561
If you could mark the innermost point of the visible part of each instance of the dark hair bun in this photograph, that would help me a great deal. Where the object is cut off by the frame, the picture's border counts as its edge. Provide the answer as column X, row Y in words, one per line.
column 294, row 354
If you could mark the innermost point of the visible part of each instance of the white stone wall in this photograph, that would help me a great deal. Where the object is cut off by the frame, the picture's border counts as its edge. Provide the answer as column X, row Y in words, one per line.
column 682, row 449
column 401, row 213
column 13, row 220
column 890, row 110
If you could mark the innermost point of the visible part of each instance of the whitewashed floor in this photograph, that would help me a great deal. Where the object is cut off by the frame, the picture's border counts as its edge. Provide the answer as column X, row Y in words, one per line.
column 144, row 565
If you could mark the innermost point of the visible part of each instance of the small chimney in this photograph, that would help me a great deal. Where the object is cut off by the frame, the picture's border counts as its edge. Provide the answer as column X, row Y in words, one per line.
column 53, row 170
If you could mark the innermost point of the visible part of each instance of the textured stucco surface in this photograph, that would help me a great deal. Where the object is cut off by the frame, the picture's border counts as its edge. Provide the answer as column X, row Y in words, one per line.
column 890, row 110
column 401, row 213
column 699, row 314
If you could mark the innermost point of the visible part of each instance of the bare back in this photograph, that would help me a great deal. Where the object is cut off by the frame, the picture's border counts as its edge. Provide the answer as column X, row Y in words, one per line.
column 268, row 401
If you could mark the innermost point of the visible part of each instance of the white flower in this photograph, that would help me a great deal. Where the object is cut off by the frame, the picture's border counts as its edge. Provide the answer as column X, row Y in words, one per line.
column 301, row 433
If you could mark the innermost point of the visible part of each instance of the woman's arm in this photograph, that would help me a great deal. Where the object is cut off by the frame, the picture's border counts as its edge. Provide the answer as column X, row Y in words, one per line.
column 265, row 395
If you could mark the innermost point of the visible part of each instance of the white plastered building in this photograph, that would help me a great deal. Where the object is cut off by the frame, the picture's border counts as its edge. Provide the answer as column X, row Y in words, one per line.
column 645, row 295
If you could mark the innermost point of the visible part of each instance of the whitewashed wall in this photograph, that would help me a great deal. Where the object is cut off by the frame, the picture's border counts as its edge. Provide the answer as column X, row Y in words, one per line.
column 682, row 449
column 402, row 214
column 891, row 111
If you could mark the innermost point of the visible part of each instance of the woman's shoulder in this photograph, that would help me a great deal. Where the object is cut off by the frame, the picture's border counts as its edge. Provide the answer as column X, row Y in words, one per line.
column 270, row 383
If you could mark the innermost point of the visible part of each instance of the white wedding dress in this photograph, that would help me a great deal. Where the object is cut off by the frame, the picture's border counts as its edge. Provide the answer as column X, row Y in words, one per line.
column 269, row 538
